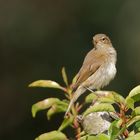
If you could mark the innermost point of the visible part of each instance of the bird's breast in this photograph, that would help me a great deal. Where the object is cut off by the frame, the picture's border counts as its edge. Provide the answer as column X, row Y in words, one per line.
column 108, row 73
column 102, row 76
column 111, row 70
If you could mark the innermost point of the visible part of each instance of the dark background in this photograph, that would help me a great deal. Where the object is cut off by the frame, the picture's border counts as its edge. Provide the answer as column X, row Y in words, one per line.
column 37, row 38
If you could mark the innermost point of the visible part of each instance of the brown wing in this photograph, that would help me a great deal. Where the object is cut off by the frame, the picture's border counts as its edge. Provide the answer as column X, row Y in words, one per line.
column 93, row 60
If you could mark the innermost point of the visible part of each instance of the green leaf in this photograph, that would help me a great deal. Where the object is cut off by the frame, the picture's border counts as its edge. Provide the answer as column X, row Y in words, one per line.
column 115, row 130
column 129, row 102
column 103, row 137
column 133, row 120
column 137, row 127
column 99, row 108
column 67, row 121
column 46, row 84
column 131, row 133
column 74, row 79
column 135, row 137
column 57, row 108
column 136, row 111
column 98, row 137
column 64, row 76
column 104, row 97
column 133, row 97
column 106, row 100
column 137, row 124
column 113, row 127
column 44, row 104
column 89, row 98
column 118, row 98
column 111, row 95
column 134, row 91
column 53, row 135
column 88, row 137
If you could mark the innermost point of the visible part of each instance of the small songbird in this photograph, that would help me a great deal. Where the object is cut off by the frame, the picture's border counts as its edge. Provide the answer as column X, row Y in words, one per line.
column 98, row 68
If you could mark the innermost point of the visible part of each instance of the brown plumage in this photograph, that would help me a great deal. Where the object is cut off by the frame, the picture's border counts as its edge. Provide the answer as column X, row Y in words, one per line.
column 98, row 68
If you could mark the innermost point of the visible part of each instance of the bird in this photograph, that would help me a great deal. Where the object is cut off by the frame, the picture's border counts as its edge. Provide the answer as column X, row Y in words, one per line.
column 98, row 68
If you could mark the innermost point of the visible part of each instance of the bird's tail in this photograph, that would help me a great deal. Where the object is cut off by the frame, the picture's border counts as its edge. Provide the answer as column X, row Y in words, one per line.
column 80, row 90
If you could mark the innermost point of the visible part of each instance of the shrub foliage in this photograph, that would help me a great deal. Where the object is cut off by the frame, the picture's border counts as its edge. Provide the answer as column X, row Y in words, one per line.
column 109, row 116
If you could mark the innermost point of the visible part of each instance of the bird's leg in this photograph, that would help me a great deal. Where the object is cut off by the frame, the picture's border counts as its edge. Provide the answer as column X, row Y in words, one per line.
column 94, row 101
column 89, row 89
column 92, row 90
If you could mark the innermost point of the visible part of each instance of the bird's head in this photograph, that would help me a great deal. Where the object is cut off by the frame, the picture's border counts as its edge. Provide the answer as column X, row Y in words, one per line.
column 101, row 41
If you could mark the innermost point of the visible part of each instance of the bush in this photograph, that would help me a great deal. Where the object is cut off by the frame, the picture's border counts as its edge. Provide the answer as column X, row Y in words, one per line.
column 109, row 115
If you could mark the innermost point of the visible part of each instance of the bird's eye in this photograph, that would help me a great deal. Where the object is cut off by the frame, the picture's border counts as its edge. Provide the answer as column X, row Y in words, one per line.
column 103, row 38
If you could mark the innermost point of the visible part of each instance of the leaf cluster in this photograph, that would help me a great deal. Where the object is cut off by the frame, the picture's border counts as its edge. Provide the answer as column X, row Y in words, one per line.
column 124, row 113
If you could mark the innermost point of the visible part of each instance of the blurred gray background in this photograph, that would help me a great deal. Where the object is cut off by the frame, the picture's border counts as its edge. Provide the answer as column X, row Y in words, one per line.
column 37, row 38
